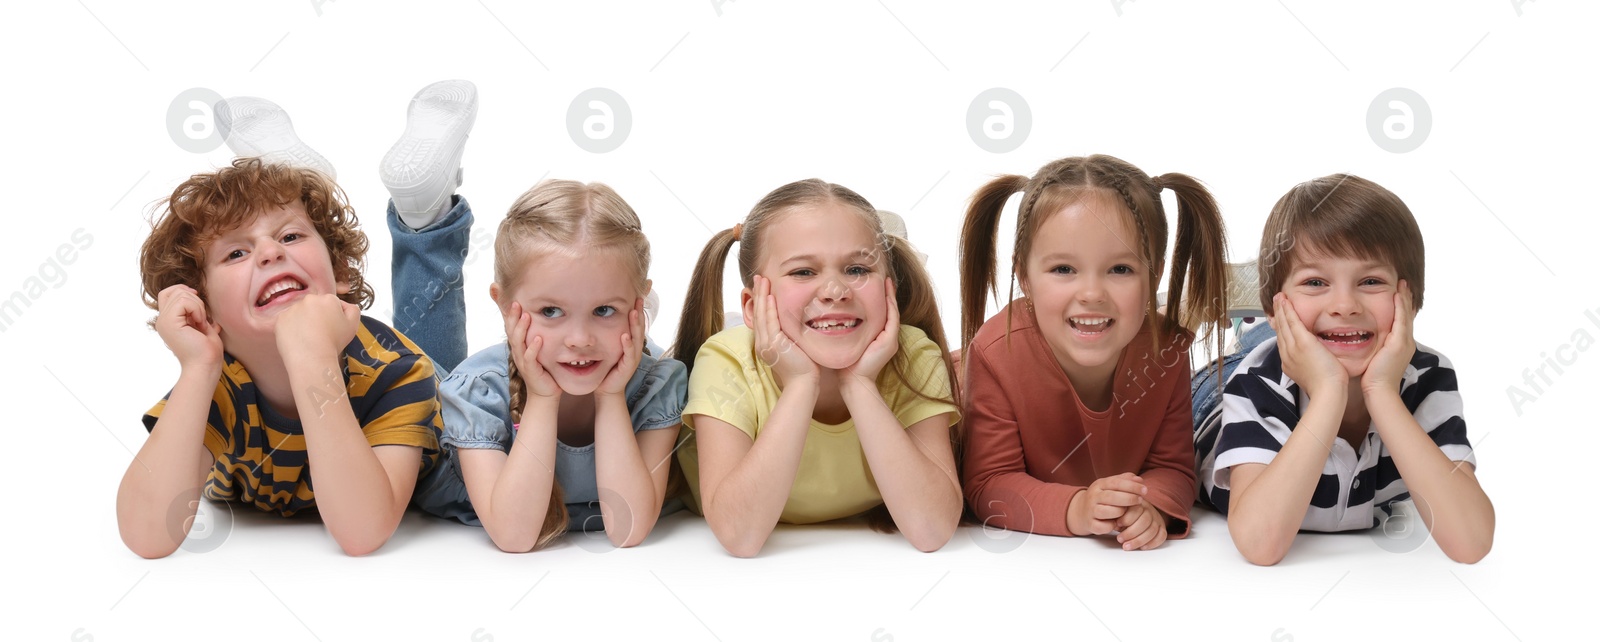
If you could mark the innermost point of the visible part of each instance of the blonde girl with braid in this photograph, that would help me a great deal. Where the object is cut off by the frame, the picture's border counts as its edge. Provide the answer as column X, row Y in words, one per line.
column 1077, row 413
column 834, row 399
column 570, row 423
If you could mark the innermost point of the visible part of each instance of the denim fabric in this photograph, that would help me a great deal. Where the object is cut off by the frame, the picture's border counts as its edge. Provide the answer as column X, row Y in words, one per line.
column 1205, row 387
column 476, row 403
column 429, row 302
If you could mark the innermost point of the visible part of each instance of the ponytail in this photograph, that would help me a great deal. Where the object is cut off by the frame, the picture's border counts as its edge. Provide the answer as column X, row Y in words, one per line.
column 977, row 259
column 1199, row 255
column 702, row 307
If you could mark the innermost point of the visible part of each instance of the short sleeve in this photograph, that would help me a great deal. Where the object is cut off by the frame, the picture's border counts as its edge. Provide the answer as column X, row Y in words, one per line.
column 657, row 395
column 925, row 373
column 402, row 407
column 217, row 435
column 1434, row 399
column 476, row 405
column 1258, row 414
column 719, row 385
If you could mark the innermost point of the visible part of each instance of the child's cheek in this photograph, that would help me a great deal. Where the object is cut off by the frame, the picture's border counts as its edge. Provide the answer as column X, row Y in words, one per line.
column 1308, row 316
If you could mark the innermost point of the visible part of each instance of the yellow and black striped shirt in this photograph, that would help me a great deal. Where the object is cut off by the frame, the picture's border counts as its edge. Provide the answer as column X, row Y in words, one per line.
column 261, row 455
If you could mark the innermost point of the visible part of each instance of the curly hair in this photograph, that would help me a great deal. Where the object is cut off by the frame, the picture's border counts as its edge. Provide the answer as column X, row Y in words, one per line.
column 210, row 204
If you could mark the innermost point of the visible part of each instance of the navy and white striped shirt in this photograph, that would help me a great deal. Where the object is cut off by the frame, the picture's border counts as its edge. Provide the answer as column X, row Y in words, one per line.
column 1260, row 406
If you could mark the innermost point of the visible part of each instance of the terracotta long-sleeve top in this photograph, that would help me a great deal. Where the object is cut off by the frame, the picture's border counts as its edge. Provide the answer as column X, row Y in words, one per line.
column 1031, row 444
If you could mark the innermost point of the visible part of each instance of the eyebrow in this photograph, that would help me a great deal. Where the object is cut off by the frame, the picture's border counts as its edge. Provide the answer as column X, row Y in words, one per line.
column 1364, row 267
column 613, row 302
column 1066, row 256
column 285, row 219
column 812, row 258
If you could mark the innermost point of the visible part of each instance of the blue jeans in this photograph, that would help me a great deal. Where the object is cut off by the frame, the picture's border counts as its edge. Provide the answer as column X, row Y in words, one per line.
column 1206, row 389
column 429, row 300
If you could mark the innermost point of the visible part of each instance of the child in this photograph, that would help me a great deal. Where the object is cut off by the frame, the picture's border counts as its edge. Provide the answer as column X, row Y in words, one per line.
column 822, row 405
column 1341, row 414
column 570, row 422
column 1077, row 403
column 255, row 272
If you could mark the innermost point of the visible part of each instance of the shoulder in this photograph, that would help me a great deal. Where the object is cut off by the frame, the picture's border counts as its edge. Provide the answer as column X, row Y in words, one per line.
column 1263, row 362
column 656, row 374
column 657, row 393
column 1148, row 346
column 733, row 346
column 739, row 335
column 1426, row 358
column 1011, row 322
column 914, row 340
column 376, row 343
column 1428, row 374
column 490, row 366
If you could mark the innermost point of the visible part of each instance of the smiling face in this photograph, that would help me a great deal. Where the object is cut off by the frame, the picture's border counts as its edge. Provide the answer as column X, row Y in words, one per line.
column 827, row 270
column 580, row 306
column 1347, row 303
column 254, row 272
column 1087, row 284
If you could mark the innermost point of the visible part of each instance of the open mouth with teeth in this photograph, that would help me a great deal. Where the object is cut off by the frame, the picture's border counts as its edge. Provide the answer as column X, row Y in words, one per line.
column 580, row 367
column 1345, row 338
column 833, row 324
column 1091, row 325
column 279, row 288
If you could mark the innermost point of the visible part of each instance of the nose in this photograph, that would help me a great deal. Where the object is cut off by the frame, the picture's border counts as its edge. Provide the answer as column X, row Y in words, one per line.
column 580, row 334
column 268, row 252
column 834, row 289
column 1092, row 289
column 1344, row 303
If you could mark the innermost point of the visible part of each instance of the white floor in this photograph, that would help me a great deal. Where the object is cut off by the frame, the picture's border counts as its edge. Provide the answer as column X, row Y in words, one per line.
column 729, row 100
column 263, row 577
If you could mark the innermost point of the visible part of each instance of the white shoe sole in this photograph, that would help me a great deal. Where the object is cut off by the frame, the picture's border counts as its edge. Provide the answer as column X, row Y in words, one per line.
column 258, row 127
column 423, row 168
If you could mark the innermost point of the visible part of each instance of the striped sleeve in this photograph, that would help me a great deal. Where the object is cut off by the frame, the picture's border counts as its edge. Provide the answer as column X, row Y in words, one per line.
column 1257, row 414
column 1432, row 394
column 218, row 434
column 393, row 390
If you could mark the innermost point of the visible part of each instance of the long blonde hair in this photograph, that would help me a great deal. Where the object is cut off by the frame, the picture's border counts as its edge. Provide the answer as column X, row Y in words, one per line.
column 702, row 308
column 568, row 217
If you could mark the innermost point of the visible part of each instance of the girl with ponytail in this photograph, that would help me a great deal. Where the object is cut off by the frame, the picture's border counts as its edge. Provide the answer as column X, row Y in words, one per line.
column 1077, row 406
column 835, row 397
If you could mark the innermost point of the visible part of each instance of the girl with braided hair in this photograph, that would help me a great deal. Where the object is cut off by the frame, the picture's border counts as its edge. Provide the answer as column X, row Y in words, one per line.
column 1078, row 419
column 569, row 424
column 834, row 399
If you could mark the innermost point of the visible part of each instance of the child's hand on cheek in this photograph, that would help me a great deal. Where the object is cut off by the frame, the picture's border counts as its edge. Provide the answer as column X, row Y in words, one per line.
column 616, row 381
column 316, row 327
column 1305, row 359
column 181, row 322
column 883, row 347
column 1388, row 365
column 1142, row 528
column 788, row 361
column 525, row 353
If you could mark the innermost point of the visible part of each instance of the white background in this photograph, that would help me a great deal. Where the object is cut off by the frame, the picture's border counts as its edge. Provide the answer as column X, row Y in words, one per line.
column 727, row 103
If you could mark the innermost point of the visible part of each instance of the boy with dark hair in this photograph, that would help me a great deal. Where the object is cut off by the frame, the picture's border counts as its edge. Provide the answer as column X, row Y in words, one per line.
column 1327, row 425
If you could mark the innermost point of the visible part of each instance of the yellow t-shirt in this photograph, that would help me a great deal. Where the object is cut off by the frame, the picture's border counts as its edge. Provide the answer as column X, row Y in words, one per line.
column 731, row 383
